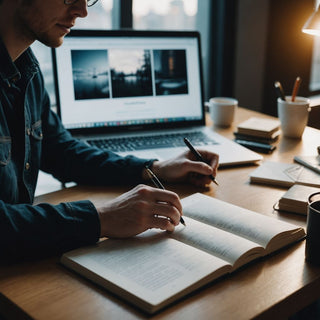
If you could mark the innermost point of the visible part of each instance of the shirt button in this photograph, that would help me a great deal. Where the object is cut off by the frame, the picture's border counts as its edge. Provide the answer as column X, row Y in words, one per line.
column 27, row 166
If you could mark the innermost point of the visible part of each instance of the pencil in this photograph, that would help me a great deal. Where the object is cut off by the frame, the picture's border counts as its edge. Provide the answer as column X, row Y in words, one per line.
column 198, row 156
column 279, row 90
column 159, row 185
column 295, row 88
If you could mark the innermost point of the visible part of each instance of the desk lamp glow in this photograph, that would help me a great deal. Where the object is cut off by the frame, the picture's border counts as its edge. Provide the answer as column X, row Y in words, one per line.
column 312, row 26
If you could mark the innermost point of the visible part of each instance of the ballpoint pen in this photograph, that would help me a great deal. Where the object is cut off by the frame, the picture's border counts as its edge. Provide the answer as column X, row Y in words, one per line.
column 198, row 156
column 159, row 185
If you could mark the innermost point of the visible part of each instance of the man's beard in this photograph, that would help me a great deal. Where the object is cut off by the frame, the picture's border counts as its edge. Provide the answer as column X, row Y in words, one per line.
column 31, row 29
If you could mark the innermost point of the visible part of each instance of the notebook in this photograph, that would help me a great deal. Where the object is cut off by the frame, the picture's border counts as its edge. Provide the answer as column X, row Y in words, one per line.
column 284, row 175
column 124, row 85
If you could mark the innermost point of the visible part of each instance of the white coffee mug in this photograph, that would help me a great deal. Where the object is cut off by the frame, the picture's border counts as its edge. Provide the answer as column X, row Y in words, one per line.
column 293, row 116
column 222, row 110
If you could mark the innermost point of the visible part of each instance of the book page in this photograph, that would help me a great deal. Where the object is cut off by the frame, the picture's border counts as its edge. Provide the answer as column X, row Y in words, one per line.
column 242, row 222
column 220, row 243
column 151, row 269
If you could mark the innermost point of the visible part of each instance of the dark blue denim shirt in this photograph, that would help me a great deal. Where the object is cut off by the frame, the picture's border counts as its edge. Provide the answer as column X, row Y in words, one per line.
column 33, row 138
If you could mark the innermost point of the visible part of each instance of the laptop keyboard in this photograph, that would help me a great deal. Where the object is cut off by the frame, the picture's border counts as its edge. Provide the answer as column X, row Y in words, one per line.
column 197, row 138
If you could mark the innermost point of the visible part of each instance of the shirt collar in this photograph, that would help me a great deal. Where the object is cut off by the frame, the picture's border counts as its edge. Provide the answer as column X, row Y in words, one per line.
column 26, row 64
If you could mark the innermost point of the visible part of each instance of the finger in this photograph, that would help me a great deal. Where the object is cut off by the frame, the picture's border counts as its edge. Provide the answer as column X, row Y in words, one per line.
column 198, row 167
column 168, row 197
column 168, row 211
column 200, row 180
column 154, row 195
column 162, row 223
column 210, row 157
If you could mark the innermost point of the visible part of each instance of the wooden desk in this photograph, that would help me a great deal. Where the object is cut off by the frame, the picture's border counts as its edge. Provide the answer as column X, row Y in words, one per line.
column 274, row 287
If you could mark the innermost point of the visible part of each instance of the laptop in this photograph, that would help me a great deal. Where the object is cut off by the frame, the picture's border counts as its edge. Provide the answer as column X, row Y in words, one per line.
column 137, row 92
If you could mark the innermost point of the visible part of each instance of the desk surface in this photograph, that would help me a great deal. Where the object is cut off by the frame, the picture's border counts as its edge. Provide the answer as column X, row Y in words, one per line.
column 276, row 286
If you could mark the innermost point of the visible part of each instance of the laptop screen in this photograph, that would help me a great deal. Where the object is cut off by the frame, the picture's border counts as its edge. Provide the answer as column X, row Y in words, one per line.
column 117, row 80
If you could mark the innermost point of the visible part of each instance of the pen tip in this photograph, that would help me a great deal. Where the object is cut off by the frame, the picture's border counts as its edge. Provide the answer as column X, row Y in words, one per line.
column 214, row 180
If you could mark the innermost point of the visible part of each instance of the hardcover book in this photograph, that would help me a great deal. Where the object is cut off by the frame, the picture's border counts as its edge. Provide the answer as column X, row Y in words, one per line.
column 296, row 199
column 259, row 127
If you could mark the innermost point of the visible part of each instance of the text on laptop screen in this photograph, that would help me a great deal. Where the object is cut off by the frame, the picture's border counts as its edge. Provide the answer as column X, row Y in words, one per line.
column 123, row 81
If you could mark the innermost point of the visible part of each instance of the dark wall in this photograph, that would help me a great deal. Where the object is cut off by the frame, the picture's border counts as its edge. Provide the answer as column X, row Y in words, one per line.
column 288, row 50
column 255, row 43
column 222, row 47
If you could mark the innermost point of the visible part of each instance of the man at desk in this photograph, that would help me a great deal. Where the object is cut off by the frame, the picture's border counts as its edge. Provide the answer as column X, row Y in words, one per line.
column 33, row 138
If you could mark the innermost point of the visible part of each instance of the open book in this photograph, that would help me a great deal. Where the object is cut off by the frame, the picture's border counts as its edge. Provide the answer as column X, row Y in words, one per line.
column 156, row 268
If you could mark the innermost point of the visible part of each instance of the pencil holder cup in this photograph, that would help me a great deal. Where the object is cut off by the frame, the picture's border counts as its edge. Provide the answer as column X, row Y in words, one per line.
column 293, row 116
column 313, row 229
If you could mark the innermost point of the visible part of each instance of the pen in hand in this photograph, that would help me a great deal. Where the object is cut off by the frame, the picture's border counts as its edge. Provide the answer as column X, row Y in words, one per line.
column 198, row 156
column 159, row 185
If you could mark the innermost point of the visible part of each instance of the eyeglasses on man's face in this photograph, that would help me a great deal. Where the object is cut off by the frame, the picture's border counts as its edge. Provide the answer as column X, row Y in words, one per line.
column 90, row 3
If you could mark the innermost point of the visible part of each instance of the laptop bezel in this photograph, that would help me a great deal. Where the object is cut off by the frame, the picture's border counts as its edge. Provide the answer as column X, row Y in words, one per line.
column 133, row 33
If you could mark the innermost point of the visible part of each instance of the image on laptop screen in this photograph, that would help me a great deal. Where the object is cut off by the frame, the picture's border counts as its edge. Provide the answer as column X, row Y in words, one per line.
column 109, row 79
column 137, row 92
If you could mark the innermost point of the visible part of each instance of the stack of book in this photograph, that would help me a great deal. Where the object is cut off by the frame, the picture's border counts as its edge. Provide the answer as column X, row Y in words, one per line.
column 296, row 199
column 258, row 134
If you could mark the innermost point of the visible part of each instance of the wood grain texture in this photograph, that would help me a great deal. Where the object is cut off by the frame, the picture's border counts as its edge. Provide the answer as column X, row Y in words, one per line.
column 273, row 287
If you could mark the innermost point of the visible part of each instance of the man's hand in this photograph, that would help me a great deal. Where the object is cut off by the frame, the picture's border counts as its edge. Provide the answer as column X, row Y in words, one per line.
column 140, row 209
column 186, row 168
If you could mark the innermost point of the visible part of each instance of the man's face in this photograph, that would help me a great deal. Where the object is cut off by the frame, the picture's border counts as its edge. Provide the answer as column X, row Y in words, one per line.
column 48, row 20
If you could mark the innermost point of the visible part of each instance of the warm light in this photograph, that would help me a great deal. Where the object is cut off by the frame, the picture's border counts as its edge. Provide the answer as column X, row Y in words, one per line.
column 312, row 32
column 312, row 26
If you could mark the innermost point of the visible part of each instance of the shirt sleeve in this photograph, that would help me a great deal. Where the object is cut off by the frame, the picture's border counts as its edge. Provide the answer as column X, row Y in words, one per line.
column 44, row 229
